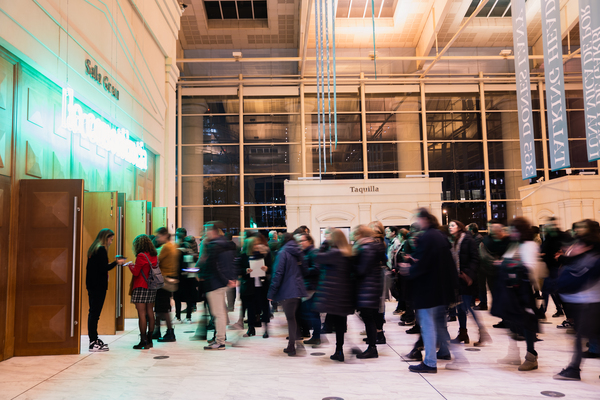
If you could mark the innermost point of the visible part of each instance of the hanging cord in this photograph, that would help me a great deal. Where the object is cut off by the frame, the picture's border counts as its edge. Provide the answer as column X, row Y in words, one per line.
column 328, row 80
column 374, row 51
column 334, row 74
column 318, row 87
column 322, row 84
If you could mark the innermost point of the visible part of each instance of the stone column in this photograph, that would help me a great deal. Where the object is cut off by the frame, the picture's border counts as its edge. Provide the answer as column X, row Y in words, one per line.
column 408, row 127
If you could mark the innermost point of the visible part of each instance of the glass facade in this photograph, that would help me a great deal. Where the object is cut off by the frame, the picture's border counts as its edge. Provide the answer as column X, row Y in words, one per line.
column 235, row 160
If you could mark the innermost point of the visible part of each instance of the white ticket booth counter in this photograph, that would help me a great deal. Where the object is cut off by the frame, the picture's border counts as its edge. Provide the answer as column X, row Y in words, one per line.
column 570, row 198
column 347, row 203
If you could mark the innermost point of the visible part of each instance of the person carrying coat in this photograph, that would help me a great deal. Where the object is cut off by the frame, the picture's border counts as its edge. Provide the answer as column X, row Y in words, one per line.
column 287, row 286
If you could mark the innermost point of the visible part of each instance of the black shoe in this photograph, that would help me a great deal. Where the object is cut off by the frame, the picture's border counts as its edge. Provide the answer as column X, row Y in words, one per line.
column 156, row 334
column 414, row 330
column 415, row 355
column 565, row 325
column 568, row 374
column 380, row 338
column 451, row 318
column 481, row 307
column 500, row 325
column 290, row 351
column 370, row 352
column 169, row 336
column 589, row 354
column 446, row 357
column 407, row 323
column 250, row 333
column 422, row 369
column 313, row 341
column 266, row 335
column 337, row 356
column 558, row 314
column 149, row 343
column 142, row 345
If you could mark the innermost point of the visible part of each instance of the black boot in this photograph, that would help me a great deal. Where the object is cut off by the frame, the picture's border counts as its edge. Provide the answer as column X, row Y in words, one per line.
column 338, row 355
column 156, row 334
column 169, row 336
column 380, row 338
column 266, row 334
column 462, row 336
column 371, row 352
column 149, row 343
column 142, row 344
column 251, row 331
column 290, row 350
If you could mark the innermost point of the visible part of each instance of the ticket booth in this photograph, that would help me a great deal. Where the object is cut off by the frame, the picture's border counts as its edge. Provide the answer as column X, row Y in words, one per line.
column 347, row 203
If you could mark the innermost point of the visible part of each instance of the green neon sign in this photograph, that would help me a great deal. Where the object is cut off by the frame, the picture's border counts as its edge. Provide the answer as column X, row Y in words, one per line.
column 97, row 131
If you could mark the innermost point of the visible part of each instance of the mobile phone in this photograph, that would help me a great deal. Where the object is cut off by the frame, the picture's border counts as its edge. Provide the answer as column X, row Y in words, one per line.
column 120, row 257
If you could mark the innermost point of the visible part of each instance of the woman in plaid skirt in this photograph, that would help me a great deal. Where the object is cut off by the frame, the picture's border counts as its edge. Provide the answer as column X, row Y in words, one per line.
column 141, row 296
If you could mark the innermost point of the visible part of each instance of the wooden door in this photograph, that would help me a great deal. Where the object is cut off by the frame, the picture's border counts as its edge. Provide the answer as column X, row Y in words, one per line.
column 121, row 286
column 48, row 267
column 101, row 211
column 136, row 218
column 159, row 218
column 4, row 237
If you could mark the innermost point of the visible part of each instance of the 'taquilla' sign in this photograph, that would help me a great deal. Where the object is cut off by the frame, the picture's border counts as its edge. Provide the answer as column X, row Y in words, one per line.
column 97, row 76
column 366, row 189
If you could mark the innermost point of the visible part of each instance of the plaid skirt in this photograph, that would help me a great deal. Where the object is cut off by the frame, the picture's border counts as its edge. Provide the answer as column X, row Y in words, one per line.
column 143, row 295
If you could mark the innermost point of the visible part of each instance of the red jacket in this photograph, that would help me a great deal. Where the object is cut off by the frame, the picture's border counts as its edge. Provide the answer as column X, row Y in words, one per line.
column 141, row 264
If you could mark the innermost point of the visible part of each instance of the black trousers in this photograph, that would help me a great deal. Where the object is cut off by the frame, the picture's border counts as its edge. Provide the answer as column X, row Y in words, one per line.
column 340, row 324
column 290, row 306
column 96, row 300
column 187, row 293
column 369, row 317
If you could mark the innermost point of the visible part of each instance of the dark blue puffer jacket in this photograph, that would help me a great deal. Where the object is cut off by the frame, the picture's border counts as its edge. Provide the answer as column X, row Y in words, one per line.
column 335, row 293
column 368, row 263
column 288, row 281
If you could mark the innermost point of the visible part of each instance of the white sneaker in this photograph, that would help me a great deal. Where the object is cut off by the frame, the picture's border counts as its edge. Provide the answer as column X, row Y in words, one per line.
column 176, row 320
column 98, row 346
column 188, row 320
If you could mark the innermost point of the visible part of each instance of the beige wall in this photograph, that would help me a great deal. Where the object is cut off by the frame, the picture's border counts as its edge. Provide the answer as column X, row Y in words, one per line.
column 133, row 43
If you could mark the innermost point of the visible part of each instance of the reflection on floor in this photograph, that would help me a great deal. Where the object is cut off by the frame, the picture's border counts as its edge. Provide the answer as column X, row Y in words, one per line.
column 256, row 368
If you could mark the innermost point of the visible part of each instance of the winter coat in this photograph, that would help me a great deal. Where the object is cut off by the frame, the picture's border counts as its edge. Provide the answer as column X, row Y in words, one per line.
column 247, row 283
column 96, row 278
column 469, row 264
column 369, row 261
column 141, row 269
column 311, row 268
column 335, row 293
column 217, row 265
column 434, row 276
column 288, row 281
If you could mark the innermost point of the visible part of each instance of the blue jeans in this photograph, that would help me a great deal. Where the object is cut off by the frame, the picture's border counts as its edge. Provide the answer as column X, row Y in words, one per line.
column 433, row 329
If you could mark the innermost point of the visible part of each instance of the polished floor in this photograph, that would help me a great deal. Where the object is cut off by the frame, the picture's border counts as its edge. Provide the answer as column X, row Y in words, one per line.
column 256, row 368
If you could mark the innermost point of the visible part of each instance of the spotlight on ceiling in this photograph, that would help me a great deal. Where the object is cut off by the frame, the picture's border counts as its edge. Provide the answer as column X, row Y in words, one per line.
column 183, row 6
column 506, row 52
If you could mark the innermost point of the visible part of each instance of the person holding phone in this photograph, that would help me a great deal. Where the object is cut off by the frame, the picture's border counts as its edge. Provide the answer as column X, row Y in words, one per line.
column 96, row 282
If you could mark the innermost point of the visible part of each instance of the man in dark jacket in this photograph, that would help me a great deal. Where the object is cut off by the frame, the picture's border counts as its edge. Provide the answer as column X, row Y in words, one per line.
column 309, row 318
column 434, row 281
column 492, row 248
column 552, row 243
column 216, row 274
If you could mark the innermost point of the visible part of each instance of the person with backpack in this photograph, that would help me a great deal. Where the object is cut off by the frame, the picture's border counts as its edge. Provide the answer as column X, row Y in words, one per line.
column 145, row 282
column 216, row 274
column 188, row 290
column 96, row 282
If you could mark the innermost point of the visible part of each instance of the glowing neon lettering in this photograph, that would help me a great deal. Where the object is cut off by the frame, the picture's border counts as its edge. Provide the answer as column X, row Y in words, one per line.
column 110, row 138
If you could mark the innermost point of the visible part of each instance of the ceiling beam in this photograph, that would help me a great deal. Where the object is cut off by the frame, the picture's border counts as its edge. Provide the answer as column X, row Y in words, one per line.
column 456, row 35
column 432, row 26
column 304, row 24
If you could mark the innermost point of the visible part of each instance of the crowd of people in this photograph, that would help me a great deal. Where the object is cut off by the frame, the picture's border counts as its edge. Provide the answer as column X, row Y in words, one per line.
column 436, row 274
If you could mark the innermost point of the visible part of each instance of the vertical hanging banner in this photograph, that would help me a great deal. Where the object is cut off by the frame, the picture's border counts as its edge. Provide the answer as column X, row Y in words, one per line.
column 555, row 86
column 521, row 50
column 589, row 31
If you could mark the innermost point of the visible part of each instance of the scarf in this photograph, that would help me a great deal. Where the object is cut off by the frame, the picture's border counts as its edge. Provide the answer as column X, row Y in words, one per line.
column 456, row 251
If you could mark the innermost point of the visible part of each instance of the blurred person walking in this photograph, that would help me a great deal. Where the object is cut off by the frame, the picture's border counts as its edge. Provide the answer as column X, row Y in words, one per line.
column 435, row 283
column 216, row 275
column 514, row 300
column 96, row 282
column 369, row 256
column 552, row 244
column 287, row 286
column 312, row 270
column 188, row 285
column 168, row 259
column 579, row 286
column 335, row 293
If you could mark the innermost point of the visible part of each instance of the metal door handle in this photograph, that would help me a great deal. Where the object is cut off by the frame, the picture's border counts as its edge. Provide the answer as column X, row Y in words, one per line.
column 73, row 322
